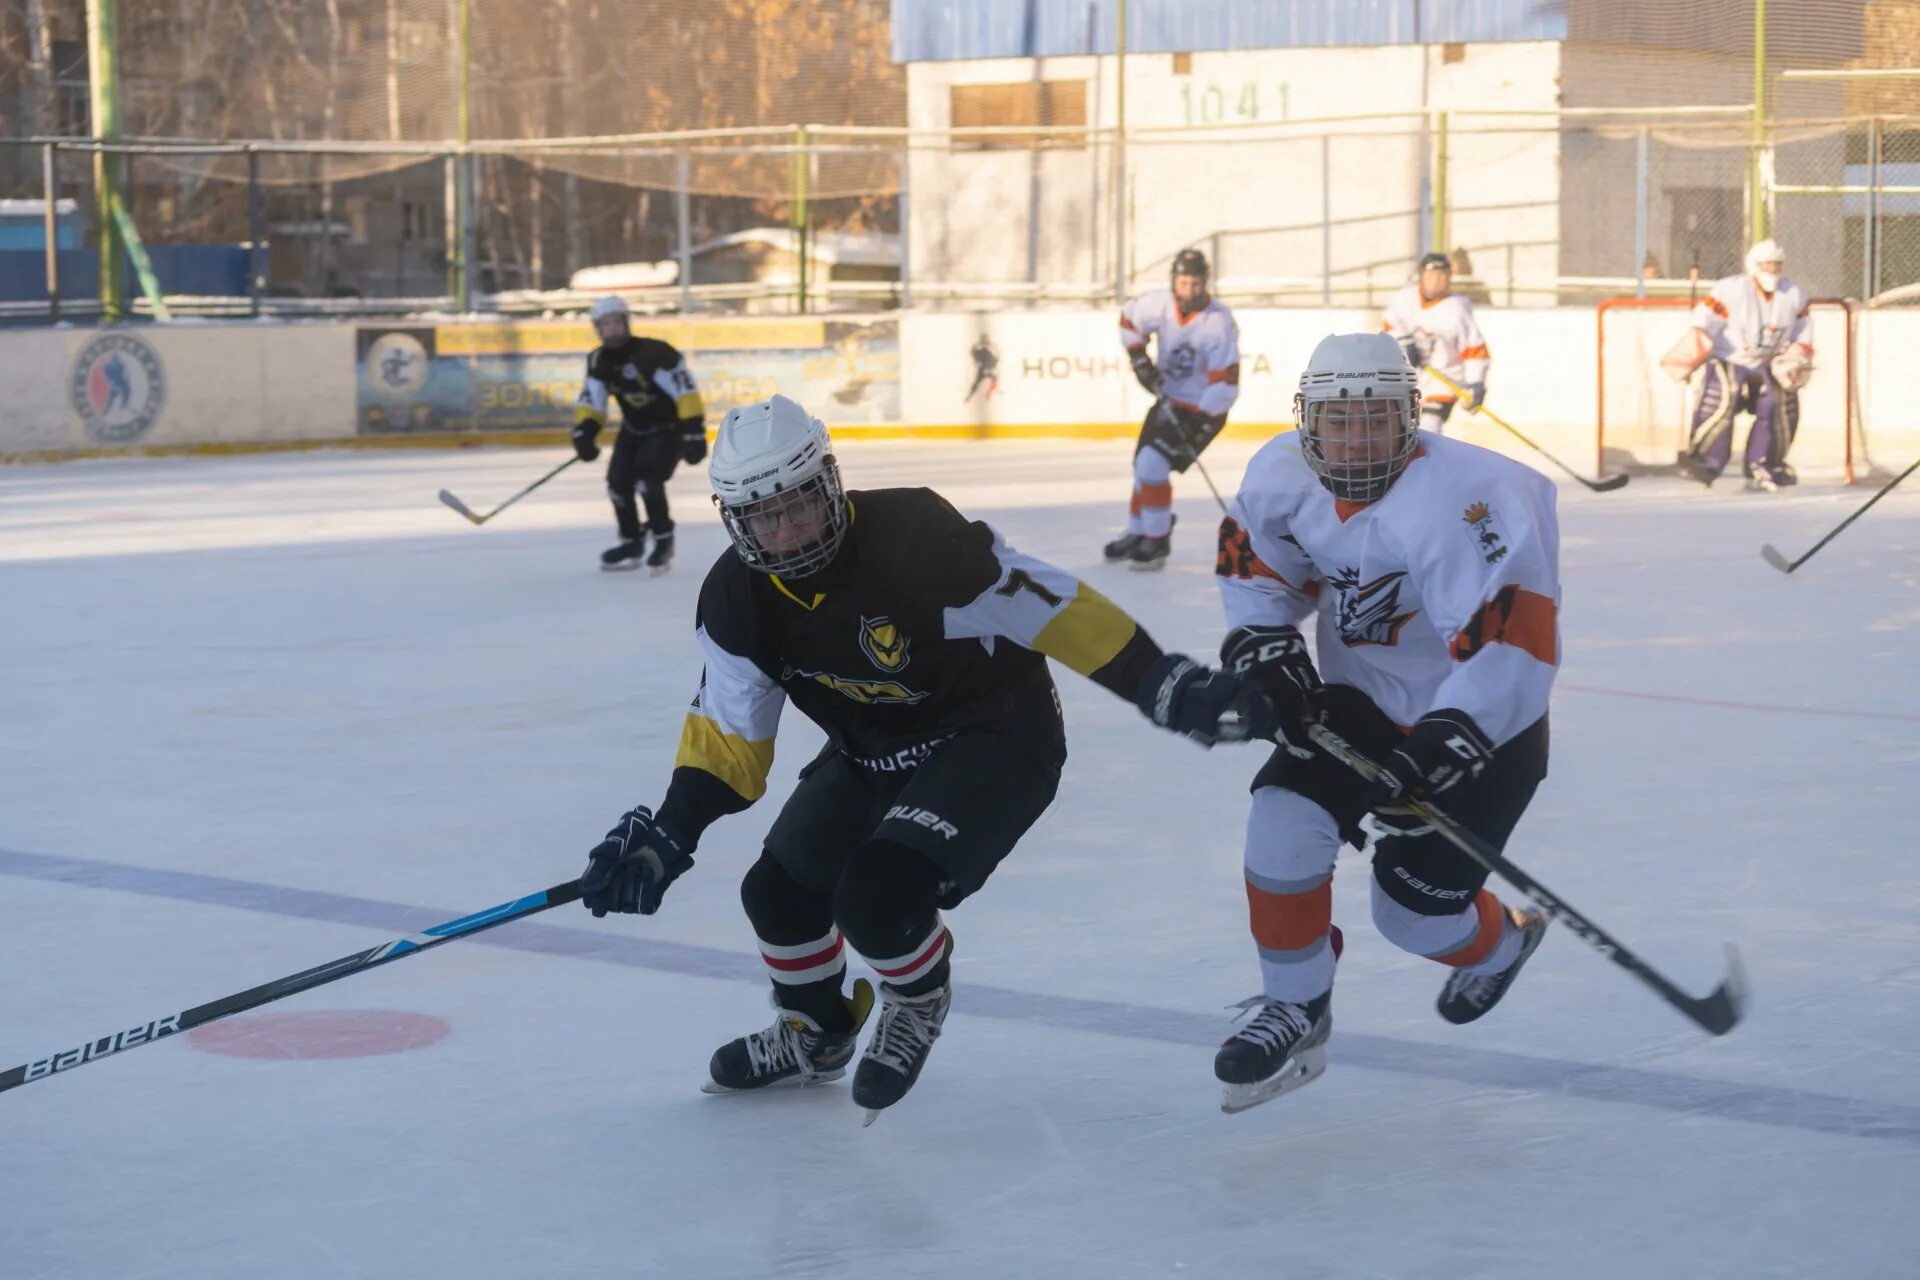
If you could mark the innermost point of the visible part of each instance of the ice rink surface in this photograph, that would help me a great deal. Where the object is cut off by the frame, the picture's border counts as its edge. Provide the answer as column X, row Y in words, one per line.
column 259, row 713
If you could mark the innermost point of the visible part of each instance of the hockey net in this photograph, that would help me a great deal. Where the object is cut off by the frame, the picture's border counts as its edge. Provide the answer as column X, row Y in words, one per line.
column 1644, row 415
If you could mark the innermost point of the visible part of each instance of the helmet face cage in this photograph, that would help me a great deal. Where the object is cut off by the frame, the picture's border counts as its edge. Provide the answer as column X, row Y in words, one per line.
column 1358, row 445
column 754, row 524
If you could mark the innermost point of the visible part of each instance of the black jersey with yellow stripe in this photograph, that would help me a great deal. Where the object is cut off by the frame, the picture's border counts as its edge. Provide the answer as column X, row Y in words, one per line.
column 926, row 624
column 647, row 378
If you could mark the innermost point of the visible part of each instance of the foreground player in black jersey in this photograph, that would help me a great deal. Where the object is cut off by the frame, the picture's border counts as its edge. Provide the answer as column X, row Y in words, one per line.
column 663, row 422
column 915, row 638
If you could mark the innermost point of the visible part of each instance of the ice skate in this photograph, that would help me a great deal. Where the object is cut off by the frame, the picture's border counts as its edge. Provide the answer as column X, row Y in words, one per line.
column 901, row 1041
column 793, row 1051
column 662, row 558
column 1282, row 1047
column 625, row 556
column 1697, row 469
column 1467, row 996
column 1121, row 548
column 1150, row 554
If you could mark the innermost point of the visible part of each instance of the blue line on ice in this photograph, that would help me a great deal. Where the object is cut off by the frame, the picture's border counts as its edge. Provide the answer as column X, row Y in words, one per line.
column 1664, row 1090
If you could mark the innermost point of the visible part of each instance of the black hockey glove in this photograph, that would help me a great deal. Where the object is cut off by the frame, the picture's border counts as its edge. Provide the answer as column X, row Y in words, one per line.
column 1445, row 749
column 630, row 870
column 1208, row 706
column 1476, row 396
column 1276, row 660
column 586, row 441
column 693, row 444
column 1143, row 369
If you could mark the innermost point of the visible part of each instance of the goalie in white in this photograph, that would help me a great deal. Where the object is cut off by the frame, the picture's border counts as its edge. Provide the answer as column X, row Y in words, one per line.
column 1752, row 340
column 1434, row 568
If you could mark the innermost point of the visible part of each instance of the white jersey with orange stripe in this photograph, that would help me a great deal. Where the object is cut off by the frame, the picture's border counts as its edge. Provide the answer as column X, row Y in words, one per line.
column 1444, row 593
column 1198, row 355
column 1444, row 334
column 1748, row 327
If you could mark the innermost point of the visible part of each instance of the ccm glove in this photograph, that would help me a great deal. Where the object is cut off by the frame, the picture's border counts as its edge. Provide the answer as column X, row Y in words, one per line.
column 693, row 443
column 1144, row 370
column 1276, row 660
column 1445, row 749
column 1208, row 706
column 630, row 870
column 1476, row 396
column 586, row 441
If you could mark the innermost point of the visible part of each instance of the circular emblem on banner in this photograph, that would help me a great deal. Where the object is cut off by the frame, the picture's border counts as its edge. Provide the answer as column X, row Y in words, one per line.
column 397, row 365
column 118, row 388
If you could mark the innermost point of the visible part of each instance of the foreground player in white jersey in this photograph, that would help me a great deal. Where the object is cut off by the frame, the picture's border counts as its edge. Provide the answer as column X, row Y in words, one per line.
column 1436, row 329
column 1753, row 334
column 1196, row 380
column 1434, row 567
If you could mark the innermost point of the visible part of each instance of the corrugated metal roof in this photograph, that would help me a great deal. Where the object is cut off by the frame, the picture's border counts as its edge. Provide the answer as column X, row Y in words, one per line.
column 946, row 30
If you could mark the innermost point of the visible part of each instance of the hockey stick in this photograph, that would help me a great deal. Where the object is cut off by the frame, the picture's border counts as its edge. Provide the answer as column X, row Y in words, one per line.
column 1773, row 557
column 1716, row 1013
column 1209, row 479
column 1605, row 484
column 466, row 511
column 187, row 1020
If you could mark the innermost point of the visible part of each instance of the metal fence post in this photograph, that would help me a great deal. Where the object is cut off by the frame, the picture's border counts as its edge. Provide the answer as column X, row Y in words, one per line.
column 256, row 265
column 50, row 189
column 1640, row 215
column 682, row 179
column 1440, row 228
column 450, row 214
column 1870, row 231
column 1326, row 220
column 906, row 223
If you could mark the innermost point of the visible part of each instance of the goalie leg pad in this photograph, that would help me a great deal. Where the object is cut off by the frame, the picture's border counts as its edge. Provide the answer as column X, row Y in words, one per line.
column 1711, row 437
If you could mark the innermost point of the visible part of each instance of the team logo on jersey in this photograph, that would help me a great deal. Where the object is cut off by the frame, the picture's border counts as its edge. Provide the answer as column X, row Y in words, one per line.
column 1484, row 528
column 1179, row 362
column 883, row 642
column 889, row 691
column 1368, row 612
column 118, row 388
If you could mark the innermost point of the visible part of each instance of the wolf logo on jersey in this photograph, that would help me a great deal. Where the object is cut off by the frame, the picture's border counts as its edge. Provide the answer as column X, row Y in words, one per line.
column 1365, row 611
column 882, row 641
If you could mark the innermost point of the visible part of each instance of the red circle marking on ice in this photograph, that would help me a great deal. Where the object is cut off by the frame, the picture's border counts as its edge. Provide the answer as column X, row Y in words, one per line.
column 321, row 1033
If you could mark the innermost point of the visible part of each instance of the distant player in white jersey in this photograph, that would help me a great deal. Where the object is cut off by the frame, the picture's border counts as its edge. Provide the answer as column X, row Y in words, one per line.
column 1754, row 337
column 1195, row 380
column 1436, row 330
column 1434, row 568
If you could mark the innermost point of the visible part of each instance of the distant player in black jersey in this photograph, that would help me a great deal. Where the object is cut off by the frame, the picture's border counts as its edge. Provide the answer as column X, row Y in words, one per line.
column 915, row 638
column 662, row 423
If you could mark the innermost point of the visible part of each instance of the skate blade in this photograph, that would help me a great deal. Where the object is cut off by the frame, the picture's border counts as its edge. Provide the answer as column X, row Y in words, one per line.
column 1147, row 566
column 625, row 566
column 1298, row 1072
column 867, row 1118
column 658, row 570
column 713, row 1086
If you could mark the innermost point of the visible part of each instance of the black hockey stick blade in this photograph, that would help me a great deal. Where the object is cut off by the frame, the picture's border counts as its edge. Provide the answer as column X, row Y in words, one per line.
column 173, row 1024
column 1716, row 1013
column 1771, row 554
column 459, row 506
column 1607, row 484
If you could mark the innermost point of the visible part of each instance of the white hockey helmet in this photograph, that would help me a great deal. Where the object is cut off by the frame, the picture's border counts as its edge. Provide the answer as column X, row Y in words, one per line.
column 778, row 488
column 1357, row 408
column 605, row 307
column 1758, row 258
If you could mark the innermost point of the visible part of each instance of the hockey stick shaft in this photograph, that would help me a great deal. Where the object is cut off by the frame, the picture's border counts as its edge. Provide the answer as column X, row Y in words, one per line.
column 1202, row 468
column 459, row 506
column 1163, row 408
column 187, row 1019
column 1885, row 489
column 1603, row 485
column 1716, row 1013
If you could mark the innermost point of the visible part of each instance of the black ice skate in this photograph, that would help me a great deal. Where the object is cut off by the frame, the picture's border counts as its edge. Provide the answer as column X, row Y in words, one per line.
column 1770, row 479
column 1150, row 554
column 901, row 1041
column 793, row 1051
column 625, row 556
column 1282, row 1047
column 1469, row 995
column 1121, row 548
column 662, row 556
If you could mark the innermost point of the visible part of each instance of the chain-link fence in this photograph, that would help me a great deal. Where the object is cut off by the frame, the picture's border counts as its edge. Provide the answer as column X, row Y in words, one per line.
column 1535, row 209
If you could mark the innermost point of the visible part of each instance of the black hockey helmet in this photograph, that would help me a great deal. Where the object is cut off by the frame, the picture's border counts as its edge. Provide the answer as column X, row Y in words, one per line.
column 1192, row 262
column 1439, row 260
